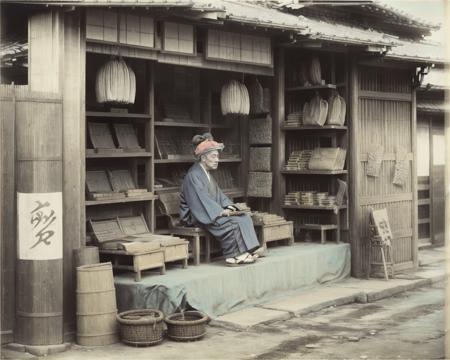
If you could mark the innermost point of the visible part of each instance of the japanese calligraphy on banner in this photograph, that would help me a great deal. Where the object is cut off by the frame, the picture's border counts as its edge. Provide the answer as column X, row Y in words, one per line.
column 39, row 225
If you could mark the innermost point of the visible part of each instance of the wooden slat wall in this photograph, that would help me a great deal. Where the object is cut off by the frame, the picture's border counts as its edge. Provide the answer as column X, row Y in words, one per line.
column 385, row 119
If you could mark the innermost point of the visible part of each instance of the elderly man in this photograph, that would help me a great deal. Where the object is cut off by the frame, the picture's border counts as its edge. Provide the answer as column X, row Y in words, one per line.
column 204, row 204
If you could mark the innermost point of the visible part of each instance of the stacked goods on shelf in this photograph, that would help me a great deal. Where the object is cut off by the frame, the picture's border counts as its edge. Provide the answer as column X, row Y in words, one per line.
column 260, row 159
column 234, row 98
column 173, row 145
column 264, row 218
column 175, row 248
column 174, row 179
column 315, row 111
column 308, row 73
column 121, row 181
column 310, row 198
column 115, row 83
column 232, row 150
column 176, row 111
column 98, row 186
column 224, row 178
column 294, row 119
column 327, row 159
column 127, row 138
column 298, row 160
column 101, row 138
column 336, row 109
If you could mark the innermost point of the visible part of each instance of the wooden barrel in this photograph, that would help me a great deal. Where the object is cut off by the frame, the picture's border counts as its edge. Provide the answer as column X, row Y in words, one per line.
column 87, row 255
column 38, row 169
column 96, row 305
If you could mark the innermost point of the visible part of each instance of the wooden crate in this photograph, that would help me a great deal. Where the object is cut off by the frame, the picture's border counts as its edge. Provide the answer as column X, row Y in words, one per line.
column 121, row 260
column 275, row 232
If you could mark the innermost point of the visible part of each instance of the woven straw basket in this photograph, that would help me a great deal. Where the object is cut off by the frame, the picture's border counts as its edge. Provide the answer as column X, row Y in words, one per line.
column 142, row 327
column 187, row 326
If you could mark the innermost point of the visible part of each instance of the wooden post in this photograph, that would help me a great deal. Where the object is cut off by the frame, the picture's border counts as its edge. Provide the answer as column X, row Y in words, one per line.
column 39, row 134
column 278, row 146
column 415, row 210
column 354, row 170
column 73, row 158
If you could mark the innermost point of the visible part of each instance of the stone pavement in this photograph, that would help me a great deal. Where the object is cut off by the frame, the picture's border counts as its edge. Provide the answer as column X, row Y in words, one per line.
column 289, row 306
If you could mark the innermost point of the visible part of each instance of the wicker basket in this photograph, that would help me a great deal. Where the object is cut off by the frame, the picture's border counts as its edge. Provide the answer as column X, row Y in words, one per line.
column 187, row 326
column 142, row 327
column 260, row 131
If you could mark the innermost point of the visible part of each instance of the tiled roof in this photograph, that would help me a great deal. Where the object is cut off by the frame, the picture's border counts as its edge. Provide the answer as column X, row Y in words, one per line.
column 326, row 30
column 418, row 51
column 432, row 106
column 258, row 15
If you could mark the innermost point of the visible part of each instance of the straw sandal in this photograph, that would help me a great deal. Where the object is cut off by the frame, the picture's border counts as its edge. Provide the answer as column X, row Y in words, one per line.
column 235, row 261
column 259, row 253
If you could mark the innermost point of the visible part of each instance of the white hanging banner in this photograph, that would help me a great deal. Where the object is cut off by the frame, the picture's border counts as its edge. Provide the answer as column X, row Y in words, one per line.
column 39, row 226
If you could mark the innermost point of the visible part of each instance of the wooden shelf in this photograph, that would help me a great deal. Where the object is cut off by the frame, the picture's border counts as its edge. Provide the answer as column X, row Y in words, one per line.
column 221, row 126
column 180, row 124
column 104, row 114
column 121, row 201
column 104, row 155
column 237, row 192
column 312, row 127
column 313, row 207
column 314, row 172
column 182, row 161
column 312, row 87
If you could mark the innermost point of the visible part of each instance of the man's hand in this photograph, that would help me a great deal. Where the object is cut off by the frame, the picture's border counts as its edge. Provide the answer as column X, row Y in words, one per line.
column 226, row 212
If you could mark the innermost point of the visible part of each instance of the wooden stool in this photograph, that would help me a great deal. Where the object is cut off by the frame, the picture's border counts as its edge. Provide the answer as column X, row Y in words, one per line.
column 323, row 228
column 169, row 205
column 386, row 257
column 141, row 261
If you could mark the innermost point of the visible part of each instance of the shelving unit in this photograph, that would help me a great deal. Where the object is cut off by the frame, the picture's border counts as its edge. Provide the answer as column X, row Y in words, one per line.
column 187, row 106
column 139, row 162
column 299, row 137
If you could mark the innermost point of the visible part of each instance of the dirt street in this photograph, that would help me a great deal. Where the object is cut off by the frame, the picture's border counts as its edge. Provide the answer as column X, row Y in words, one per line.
column 407, row 326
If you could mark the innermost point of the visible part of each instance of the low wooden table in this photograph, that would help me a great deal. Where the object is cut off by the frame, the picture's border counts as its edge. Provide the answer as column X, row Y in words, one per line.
column 323, row 228
column 120, row 260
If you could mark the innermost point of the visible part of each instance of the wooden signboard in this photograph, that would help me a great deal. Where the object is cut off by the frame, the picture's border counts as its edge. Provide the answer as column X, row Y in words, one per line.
column 380, row 221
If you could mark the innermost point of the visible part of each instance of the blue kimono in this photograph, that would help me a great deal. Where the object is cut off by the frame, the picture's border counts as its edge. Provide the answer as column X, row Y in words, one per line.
column 201, row 204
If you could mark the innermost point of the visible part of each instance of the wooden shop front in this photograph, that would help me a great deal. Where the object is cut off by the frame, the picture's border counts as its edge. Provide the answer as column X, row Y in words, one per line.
column 132, row 154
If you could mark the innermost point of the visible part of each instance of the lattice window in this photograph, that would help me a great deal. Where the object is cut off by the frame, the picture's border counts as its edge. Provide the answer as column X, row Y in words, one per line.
column 178, row 38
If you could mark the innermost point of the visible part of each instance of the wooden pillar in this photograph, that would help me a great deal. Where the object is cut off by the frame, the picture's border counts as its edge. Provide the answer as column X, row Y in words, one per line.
column 354, row 171
column 39, row 278
column 73, row 88
column 278, row 145
column 415, row 210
